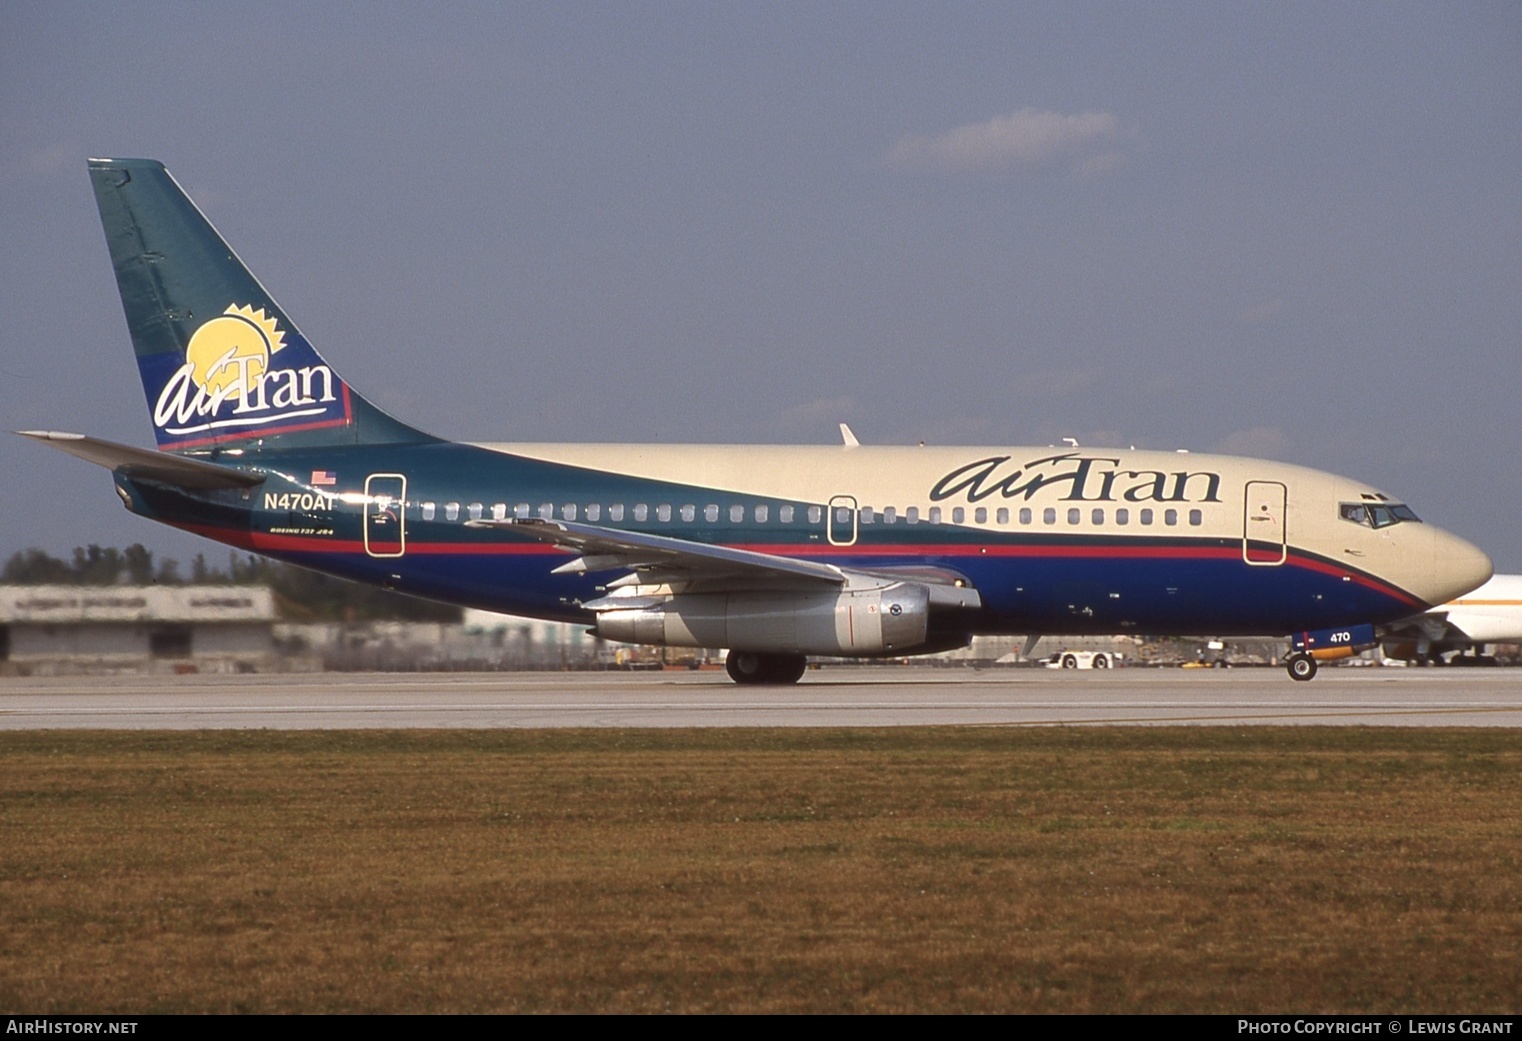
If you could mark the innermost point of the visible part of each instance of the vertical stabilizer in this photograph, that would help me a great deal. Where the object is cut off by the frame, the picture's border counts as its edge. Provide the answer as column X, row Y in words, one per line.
column 221, row 362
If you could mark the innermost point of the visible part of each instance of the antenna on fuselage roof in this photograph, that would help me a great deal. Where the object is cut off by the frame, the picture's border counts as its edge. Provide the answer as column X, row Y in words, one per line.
column 848, row 437
column 1071, row 442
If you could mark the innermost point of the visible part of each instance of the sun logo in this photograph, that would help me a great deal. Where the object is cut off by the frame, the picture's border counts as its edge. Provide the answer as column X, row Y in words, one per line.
column 230, row 354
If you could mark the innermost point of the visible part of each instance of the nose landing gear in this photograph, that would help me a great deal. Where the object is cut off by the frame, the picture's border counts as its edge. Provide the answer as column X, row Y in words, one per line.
column 1301, row 667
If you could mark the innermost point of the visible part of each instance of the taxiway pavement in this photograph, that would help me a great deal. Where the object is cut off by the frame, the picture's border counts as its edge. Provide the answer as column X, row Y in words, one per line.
column 833, row 696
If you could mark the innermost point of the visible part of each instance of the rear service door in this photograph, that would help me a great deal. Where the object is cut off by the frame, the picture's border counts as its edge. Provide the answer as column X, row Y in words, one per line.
column 385, row 515
column 1263, row 543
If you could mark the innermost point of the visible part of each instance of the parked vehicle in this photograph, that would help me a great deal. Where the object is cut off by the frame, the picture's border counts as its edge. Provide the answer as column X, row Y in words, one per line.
column 1083, row 660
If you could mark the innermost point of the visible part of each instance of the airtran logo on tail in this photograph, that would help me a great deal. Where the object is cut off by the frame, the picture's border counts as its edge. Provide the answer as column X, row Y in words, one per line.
column 232, row 382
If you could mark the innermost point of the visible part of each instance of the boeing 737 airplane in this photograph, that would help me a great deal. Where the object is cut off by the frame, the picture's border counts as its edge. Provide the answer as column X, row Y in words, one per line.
column 775, row 553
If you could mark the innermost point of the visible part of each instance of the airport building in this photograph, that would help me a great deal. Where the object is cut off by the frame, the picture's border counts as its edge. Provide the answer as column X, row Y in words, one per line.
column 64, row 629
column 225, row 628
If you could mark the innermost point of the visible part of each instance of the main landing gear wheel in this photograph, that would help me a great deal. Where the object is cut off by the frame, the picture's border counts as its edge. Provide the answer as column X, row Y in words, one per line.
column 1301, row 667
column 747, row 667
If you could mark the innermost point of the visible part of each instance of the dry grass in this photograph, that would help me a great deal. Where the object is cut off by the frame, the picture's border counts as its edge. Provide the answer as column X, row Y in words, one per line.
column 892, row 870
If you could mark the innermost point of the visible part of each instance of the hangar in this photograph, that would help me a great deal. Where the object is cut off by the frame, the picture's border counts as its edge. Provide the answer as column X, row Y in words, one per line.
column 65, row 629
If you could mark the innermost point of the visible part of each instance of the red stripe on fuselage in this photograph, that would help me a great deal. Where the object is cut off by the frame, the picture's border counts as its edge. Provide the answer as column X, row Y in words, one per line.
column 263, row 542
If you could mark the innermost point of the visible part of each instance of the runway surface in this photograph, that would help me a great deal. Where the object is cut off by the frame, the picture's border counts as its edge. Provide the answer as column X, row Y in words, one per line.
column 842, row 696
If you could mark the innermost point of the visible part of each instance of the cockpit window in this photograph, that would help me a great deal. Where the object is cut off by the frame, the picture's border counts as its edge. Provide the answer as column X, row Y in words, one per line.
column 1376, row 514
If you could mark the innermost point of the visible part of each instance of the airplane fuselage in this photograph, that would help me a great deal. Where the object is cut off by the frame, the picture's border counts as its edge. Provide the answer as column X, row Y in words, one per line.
column 1053, row 540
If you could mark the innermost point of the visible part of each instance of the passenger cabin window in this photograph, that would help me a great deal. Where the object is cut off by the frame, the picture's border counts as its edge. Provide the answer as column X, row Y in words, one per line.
column 912, row 515
column 785, row 514
column 1196, row 518
column 663, row 513
column 867, row 515
column 711, row 513
column 816, row 514
column 594, row 512
column 958, row 515
column 1146, row 516
column 1122, row 516
column 762, row 512
column 616, row 512
column 736, row 514
column 522, row 510
column 935, row 515
column 1074, row 513
column 498, row 510
column 546, row 511
column 1170, row 517
column 980, row 515
column 689, row 513
column 1098, row 515
column 451, row 511
column 1049, row 515
column 474, row 509
column 427, row 511
column 1002, row 516
column 568, row 511
column 1025, row 515
column 641, row 512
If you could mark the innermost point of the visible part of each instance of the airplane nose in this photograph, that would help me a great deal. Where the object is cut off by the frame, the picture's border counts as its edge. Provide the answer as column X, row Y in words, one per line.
column 1457, row 567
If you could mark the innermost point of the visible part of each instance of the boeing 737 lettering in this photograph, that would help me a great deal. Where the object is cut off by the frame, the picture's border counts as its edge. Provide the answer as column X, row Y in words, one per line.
column 775, row 553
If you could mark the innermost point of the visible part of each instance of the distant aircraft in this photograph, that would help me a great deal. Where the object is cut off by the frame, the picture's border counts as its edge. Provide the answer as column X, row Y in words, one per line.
column 775, row 553
column 1489, row 614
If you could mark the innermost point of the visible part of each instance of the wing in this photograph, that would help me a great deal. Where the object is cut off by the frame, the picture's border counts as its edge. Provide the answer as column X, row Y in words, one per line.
column 659, row 560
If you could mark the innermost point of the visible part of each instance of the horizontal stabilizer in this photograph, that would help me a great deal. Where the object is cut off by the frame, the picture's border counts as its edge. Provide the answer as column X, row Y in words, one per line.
column 146, row 463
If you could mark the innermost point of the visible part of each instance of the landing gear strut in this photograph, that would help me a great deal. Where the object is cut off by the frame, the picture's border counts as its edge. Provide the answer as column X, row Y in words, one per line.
column 747, row 667
column 1301, row 666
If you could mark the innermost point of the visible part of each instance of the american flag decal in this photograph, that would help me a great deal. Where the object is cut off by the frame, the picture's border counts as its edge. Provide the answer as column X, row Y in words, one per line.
column 324, row 478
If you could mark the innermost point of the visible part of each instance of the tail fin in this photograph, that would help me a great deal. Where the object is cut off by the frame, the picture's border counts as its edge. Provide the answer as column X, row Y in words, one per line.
column 221, row 362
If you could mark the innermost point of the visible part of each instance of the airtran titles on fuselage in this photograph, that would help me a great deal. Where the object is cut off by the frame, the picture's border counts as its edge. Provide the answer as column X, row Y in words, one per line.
column 1084, row 478
column 227, row 380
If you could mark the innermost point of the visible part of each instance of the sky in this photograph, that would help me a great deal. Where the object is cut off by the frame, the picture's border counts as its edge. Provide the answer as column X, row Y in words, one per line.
column 1289, row 230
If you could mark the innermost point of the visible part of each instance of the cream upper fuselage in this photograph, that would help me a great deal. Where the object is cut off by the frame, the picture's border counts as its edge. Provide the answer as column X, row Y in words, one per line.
column 1134, row 540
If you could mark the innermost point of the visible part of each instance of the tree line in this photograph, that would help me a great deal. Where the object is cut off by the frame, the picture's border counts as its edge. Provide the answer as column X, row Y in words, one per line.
column 300, row 595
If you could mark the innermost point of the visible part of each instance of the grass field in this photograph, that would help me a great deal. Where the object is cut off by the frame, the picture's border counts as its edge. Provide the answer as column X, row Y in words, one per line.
column 924, row 870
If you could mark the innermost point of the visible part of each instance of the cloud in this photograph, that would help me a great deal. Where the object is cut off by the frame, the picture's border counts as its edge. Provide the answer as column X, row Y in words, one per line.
column 1260, row 442
column 1025, row 138
column 821, row 415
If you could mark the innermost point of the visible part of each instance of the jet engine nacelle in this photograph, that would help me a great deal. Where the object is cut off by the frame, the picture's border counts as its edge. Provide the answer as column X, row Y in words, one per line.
column 884, row 620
